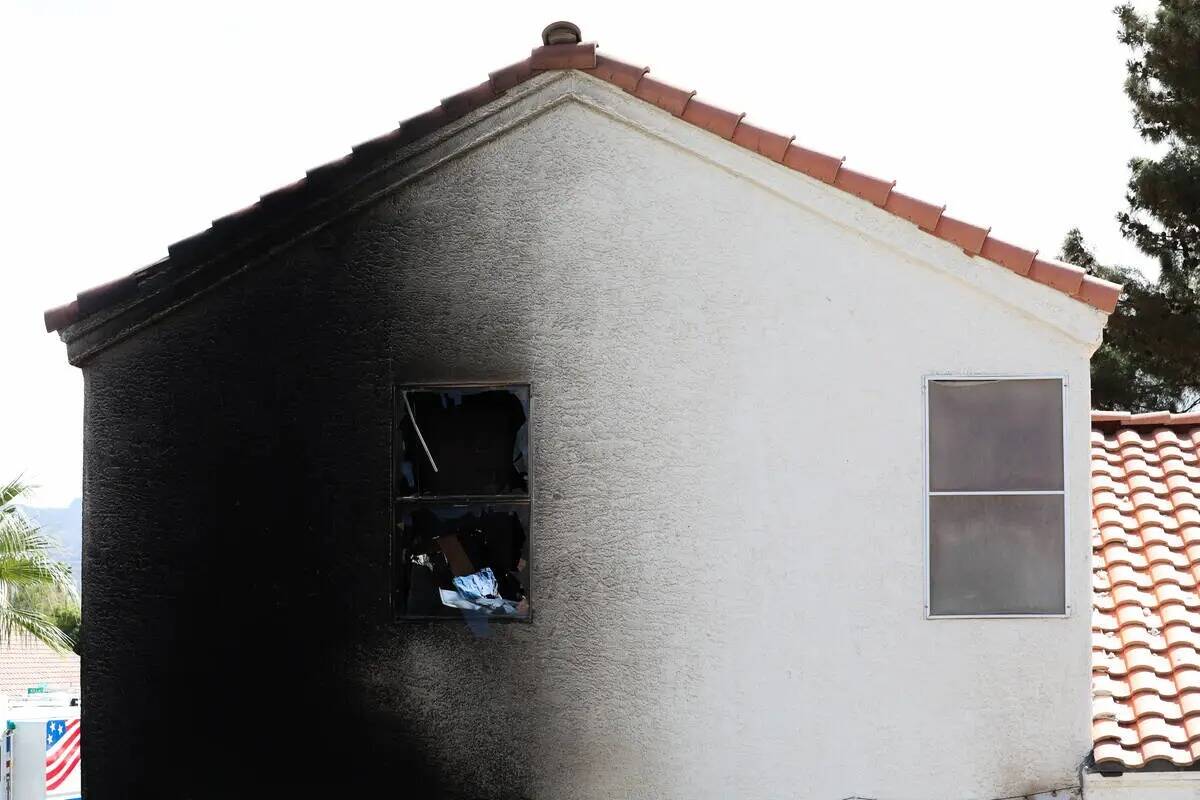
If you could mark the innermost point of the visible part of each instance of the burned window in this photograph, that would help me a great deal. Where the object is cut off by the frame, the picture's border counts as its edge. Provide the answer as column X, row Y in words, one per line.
column 462, row 502
column 996, row 505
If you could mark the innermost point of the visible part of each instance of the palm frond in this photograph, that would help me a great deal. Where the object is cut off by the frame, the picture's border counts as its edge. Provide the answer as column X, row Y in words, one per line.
column 9, row 493
column 26, row 561
column 19, row 621
column 26, row 552
column 16, row 570
column 19, row 535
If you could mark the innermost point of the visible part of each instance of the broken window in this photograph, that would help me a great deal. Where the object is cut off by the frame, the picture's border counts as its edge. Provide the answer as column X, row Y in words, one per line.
column 462, row 502
column 996, row 497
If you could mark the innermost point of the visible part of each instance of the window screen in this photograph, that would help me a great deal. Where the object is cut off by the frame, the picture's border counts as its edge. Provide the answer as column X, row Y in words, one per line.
column 996, row 505
column 462, row 502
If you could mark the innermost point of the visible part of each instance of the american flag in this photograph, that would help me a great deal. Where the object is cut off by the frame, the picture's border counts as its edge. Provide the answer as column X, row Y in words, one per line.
column 62, row 752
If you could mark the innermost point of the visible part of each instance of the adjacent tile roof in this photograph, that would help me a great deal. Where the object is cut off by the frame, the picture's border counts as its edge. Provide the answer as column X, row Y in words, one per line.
column 26, row 662
column 251, row 223
column 1146, row 605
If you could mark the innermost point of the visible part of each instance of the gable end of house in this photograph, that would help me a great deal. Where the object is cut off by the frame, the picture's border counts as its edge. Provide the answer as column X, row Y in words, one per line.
column 99, row 316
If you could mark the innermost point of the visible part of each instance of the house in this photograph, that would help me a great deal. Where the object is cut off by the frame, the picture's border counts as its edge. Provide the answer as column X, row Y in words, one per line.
column 30, row 669
column 1146, row 611
column 581, row 439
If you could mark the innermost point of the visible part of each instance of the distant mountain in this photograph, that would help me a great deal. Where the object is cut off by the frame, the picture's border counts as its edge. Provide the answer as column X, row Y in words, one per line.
column 66, row 526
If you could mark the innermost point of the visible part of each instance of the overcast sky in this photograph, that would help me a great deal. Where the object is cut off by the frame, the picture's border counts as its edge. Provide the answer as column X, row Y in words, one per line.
column 127, row 126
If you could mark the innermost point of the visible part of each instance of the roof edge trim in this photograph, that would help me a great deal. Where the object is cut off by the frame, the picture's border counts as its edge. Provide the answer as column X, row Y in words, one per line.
column 365, row 159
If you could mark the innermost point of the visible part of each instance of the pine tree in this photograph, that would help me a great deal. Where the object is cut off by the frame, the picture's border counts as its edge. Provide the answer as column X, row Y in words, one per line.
column 1150, row 358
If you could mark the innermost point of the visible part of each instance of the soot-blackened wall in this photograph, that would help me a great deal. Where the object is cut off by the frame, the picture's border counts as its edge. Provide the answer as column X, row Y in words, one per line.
column 727, row 512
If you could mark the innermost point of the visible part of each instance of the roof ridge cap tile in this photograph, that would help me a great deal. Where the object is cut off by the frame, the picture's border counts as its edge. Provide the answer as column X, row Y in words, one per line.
column 231, row 230
column 1163, row 419
column 581, row 55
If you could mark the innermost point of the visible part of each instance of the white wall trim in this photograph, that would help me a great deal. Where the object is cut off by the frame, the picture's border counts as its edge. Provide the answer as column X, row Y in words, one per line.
column 1141, row 786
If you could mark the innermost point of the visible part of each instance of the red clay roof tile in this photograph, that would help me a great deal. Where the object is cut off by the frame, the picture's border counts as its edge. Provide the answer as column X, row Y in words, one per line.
column 422, row 124
column 26, row 662
column 924, row 215
column 623, row 75
column 679, row 102
column 457, row 105
column 436, row 116
column 1009, row 256
column 1178, row 423
column 60, row 317
column 764, row 142
column 667, row 97
column 506, row 78
column 969, row 237
column 873, row 190
column 715, row 120
column 564, row 56
column 813, row 164
column 1145, row 680
column 1057, row 275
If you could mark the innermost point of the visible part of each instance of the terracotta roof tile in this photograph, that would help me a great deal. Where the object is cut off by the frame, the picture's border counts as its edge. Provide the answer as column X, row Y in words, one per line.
column 873, row 190
column 813, row 164
column 623, row 75
column 1099, row 293
column 1064, row 277
column 564, row 56
column 1018, row 259
column 715, row 120
column 270, row 214
column 25, row 662
column 766, row 143
column 1182, row 430
column 1146, row 606
column 457, row 105
column 969, row 237
column 60, row 317
column 104, row 295
column 506, row 78
column 924, row 215
column 667, row 97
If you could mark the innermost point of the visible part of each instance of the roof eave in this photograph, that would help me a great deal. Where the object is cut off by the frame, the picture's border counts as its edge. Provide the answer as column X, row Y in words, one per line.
column 235, row 229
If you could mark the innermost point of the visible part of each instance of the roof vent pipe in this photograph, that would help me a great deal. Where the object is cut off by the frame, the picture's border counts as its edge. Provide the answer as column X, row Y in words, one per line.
column 561, row 32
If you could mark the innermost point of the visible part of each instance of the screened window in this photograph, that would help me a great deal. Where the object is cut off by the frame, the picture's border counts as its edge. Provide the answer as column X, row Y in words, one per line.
column 996, row 497
column 461, row 544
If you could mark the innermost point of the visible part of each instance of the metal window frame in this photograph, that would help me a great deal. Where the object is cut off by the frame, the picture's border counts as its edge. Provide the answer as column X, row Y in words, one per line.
column 526, row 500
column 1066, row 491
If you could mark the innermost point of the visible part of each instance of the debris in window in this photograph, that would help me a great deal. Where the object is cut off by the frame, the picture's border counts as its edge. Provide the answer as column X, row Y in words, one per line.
column 456, row 556
column 477, row 591
column 464, row 558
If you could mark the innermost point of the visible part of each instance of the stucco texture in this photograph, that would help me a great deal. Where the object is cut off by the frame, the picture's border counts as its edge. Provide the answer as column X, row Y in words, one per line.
column 726, row 366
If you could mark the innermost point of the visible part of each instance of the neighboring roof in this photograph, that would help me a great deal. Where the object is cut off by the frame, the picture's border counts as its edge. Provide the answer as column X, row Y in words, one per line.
column 26, row 662
column 1146, row 606
column 252, row 225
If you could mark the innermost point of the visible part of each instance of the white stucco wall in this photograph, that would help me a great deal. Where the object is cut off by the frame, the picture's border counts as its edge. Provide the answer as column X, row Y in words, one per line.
column 1142, row 786
column 727, row 362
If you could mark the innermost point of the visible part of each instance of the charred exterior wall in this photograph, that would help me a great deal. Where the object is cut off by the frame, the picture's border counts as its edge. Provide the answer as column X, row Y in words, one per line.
column 727, row 529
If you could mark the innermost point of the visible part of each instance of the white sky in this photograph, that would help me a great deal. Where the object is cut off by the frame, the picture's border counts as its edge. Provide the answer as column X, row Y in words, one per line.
column 126, row 126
